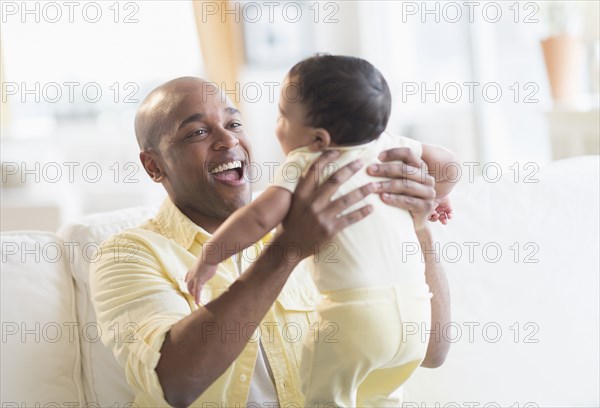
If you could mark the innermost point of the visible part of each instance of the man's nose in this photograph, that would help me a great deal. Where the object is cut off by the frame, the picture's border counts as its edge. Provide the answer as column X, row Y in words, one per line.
column 225, row 140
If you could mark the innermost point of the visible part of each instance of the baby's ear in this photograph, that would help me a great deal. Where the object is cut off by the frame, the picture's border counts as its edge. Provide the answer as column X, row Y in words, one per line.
column 320, row 140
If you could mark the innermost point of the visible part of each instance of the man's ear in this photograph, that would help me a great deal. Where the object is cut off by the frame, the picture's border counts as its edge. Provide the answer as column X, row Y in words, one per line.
column 320, row 140
column 150, row 161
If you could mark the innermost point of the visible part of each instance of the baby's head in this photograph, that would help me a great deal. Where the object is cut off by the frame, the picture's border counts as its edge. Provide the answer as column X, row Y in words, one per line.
column 329, row 100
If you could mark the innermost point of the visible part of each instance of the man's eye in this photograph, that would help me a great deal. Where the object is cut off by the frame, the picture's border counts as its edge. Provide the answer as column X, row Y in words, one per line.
column 199, row 132
column 235, row 125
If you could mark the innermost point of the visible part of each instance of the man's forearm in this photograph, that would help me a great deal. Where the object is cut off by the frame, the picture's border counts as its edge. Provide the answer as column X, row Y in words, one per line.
column 435, row 277
column 191, row 360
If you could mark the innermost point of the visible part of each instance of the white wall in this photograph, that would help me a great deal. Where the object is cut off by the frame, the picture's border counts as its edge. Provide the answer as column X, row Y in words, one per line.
column 163, row 44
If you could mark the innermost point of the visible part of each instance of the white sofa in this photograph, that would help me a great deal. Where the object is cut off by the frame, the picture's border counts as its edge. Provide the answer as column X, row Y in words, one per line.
column 526, row 320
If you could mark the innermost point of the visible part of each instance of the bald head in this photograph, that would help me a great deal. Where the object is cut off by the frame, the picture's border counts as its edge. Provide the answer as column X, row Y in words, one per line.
column 154, row 117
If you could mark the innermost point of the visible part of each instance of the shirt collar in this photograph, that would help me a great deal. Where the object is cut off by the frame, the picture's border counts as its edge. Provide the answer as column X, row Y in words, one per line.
column 176, row 226
column 366, row 145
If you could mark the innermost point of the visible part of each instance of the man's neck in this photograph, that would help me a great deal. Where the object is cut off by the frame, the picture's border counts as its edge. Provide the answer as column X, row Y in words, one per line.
column 208, row 223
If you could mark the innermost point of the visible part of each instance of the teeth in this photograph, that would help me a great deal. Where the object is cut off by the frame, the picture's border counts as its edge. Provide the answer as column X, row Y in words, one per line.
column 236, row 164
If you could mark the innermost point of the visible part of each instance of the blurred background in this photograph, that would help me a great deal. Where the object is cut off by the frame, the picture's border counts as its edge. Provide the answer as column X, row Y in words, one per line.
column 513, row 84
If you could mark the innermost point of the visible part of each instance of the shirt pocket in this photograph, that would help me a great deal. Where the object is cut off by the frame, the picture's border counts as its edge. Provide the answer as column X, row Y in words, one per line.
column 297, row 323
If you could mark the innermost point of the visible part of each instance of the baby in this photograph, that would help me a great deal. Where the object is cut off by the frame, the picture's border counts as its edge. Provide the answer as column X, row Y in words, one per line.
column 370, row 289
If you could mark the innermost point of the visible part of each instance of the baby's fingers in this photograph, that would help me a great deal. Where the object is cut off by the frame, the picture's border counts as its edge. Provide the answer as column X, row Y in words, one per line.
column 197, row 290
column 194, row 288
column 197, row 295
column 444, row 217
column 431, row 214
column 191, row 285
column 448, row 214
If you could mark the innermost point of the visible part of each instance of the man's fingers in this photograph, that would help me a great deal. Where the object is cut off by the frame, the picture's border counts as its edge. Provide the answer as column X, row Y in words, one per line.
column 352, row 217
column 311, row 180
column 332, row 183
column 397, row 170
column 338, row 205
column 404, row 186
column 409, row 203
column 403, row 154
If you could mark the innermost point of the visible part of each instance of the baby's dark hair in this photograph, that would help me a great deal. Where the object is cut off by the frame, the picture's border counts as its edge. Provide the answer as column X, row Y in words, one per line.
column 347, row 96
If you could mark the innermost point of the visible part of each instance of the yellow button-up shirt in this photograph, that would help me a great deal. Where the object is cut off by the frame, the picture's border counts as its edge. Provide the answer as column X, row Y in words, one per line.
column 139, row 293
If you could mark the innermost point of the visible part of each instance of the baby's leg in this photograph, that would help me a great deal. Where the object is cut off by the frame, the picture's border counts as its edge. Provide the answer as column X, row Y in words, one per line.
column 354, row 339
column 329, row 378
column 381, row 387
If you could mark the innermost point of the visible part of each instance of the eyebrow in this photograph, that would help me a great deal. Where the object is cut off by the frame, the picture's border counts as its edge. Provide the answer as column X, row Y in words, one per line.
column 231, row 110
column 197, row 117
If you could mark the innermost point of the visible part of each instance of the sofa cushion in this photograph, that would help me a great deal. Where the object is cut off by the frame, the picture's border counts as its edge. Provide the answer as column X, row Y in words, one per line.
column 103, row 378
column 40, row 336
column 525, row 319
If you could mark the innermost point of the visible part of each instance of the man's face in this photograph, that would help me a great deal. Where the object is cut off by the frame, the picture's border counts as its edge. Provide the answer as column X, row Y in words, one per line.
column 206, row 153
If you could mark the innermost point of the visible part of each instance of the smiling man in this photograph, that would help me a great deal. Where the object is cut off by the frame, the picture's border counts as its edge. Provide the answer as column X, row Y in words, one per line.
column 237, row 347
column 172, row 131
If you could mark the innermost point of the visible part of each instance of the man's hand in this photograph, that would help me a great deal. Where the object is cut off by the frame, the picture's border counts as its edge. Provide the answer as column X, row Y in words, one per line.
column 313, row 218
column 410, row 187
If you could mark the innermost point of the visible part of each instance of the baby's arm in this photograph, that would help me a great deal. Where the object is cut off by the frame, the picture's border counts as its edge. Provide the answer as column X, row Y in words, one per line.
column 242, row 229
column 442, row 164
column 247, row 225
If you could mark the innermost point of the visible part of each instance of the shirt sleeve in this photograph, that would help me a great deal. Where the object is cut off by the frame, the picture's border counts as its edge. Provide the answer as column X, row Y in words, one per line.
column 136, row 305
column 289, row 173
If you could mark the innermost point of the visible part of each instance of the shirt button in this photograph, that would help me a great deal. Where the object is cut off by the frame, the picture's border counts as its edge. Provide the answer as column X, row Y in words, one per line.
column 243, row 377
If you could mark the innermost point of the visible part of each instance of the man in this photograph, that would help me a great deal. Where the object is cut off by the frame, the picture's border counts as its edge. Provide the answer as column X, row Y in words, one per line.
column 243, row 344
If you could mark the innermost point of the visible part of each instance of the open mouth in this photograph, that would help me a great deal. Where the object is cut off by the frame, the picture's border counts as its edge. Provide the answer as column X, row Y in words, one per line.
column 231, row 172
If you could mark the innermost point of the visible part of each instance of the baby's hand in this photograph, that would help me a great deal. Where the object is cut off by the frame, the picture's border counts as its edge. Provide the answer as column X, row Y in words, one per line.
column 198, row 276
column 442, row 210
